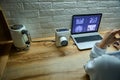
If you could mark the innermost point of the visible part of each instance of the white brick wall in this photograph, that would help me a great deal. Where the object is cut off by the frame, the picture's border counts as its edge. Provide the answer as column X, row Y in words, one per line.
column 41, row 17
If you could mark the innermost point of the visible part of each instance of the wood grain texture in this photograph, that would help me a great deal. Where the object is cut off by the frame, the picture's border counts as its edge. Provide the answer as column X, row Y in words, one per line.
column 4, row 54
column 44, row 61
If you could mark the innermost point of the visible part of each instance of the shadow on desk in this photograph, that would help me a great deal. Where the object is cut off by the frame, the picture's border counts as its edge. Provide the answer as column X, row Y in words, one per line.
column 86, row 77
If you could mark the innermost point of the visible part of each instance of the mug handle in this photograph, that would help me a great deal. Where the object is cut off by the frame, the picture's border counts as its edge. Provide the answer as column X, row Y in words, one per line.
column 28, row 36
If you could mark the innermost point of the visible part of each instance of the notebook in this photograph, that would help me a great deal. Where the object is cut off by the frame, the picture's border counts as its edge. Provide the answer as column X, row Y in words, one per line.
column 84, row 30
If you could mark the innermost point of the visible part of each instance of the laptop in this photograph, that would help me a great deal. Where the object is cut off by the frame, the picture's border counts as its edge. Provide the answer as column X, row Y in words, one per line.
column 84, row 30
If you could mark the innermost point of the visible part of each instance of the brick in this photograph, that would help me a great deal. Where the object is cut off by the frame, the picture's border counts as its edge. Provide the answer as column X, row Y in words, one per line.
column 96, row 0
column 98, row 4
column 105, row 9
column 63, row 5
column 24, row 14
column 46, row 12
column 109, row 4
column 19, row 1
column 33, row 27
column 70, row 0
column 76, row 11
column 51, row 12
column 57, row 0
column 37, row 5
column 39, row 20
column 57, row 5
column 12, row 21
column 62, row 18
column 58, row 12
column 108, row 26
column 50, row 25
column 57, row 24
column 84, row 4
column 31, row 6
column 12, row 6
column 63, row 24
column 111, row 15
column 6, row 13
column 29, row 0
column 45, row 5
column 45, row 0
column 3, row 1
column 40, row 32
column 111, row 20
column 48, row 34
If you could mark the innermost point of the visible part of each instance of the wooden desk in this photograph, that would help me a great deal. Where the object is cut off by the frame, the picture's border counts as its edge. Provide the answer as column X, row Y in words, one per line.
column 44, row 61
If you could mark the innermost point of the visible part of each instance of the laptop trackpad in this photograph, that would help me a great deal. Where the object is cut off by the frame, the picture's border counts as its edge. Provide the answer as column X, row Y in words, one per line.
column 86, row 45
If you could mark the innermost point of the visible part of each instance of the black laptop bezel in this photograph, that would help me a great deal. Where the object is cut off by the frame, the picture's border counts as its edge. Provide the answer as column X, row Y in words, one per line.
column 86, row 15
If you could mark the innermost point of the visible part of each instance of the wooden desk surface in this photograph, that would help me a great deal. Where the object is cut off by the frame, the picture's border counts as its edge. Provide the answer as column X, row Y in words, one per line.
column 4, row 55
column 44, row 61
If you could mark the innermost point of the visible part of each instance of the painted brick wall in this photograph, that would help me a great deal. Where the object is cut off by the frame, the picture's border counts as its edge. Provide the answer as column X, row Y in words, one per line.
column 41, row 17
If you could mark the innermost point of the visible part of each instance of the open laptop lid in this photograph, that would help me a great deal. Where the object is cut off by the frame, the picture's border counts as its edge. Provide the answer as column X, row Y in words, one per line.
column 85, row 23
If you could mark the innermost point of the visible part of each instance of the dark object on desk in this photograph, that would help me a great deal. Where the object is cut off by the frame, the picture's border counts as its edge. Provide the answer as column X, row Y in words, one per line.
column 87, row 39
column 117, row 45
column 5, row 37
column 5, row 45
column 4, row 31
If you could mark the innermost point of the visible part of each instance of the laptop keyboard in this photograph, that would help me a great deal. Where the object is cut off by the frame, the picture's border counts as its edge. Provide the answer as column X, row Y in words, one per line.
column 88, row 38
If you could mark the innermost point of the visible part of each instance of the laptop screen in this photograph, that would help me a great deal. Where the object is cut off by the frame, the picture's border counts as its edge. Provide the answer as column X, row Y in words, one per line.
column 85, row 23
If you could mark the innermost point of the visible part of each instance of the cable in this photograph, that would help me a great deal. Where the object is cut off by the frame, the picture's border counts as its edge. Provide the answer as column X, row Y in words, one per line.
column 44, row 41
